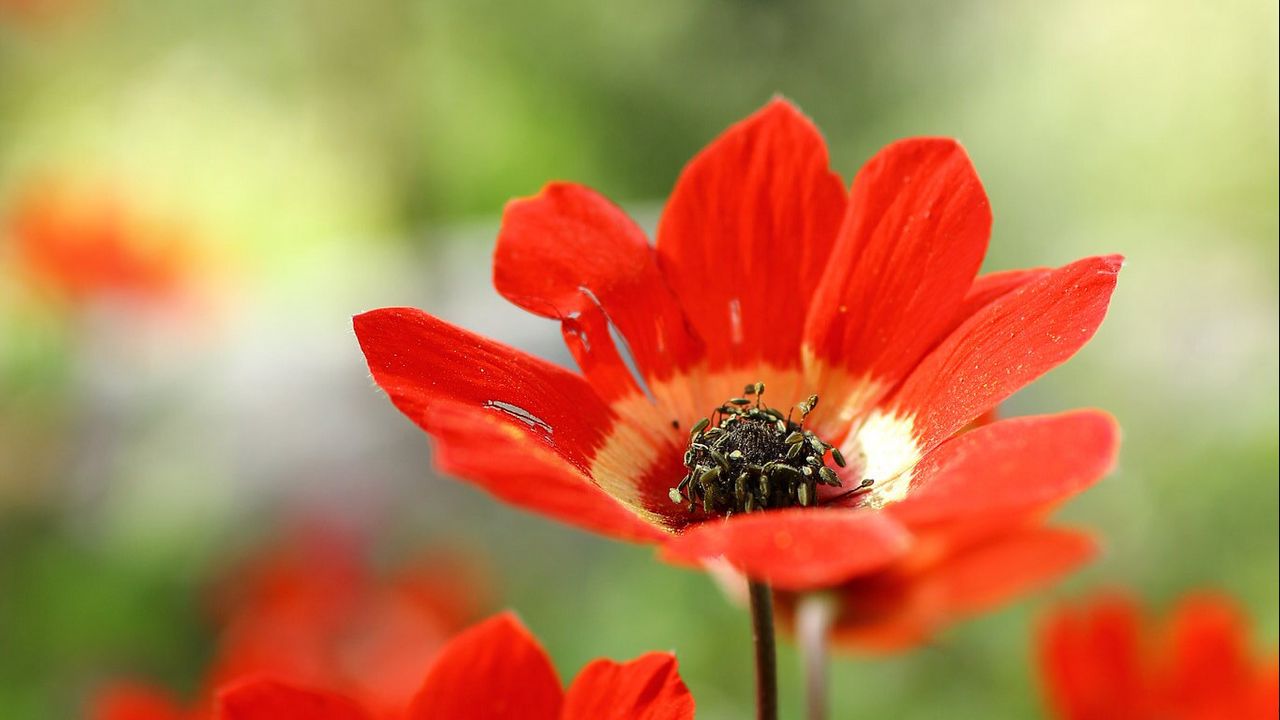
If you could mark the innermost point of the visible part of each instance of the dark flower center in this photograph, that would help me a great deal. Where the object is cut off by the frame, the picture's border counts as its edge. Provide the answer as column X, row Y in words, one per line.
column 748, row 457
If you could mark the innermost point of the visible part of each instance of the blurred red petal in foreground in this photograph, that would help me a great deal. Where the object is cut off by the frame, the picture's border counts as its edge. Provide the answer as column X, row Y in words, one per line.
column 496, row 670
column 128, row 701
column 311, row 610
column 1105, row 660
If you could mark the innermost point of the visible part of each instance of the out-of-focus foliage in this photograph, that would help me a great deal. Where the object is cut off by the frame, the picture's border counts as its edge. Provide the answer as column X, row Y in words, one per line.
column 324, row 157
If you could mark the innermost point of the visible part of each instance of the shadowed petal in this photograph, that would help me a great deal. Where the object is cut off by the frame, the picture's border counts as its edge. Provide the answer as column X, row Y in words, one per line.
column 1011, row 565
column 900, row 610
column 568, row 253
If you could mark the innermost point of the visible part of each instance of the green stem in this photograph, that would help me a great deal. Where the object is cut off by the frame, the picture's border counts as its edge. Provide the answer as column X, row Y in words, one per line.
column 766, row 651
column 815, row 615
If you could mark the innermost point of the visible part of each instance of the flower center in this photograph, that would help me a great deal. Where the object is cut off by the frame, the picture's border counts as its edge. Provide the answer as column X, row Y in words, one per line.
column 747, row 457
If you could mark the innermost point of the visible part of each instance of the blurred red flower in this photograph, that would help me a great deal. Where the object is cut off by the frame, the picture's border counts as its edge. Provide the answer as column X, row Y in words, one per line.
column 39, row 12
column 81, row 243
column 312, row 611
column 493, row 671
column 764, row 269
column 1103, row 660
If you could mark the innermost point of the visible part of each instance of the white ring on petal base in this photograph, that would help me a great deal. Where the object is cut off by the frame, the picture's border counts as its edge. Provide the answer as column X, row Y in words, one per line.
column 886, row 447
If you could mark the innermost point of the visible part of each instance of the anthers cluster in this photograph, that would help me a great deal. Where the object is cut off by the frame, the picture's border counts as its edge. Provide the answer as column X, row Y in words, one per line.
column 748, row 457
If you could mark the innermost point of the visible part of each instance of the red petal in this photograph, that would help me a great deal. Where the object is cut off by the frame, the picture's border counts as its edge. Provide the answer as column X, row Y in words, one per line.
column 911, row 242
column 523, row 473
column 271, row 700
column 987, row 288
column 1263, row 699
column 126, row 701
column 746, row 235
column 1091, row 661
column 1016, row 563
column 1006, row 345
column 647, row 688
column 450, row 381
column 1011, row 467
column 420, row 360
column 795, row 549
column 493, row 671
column 568, row 252
column 1207, row 653
column 943, row 582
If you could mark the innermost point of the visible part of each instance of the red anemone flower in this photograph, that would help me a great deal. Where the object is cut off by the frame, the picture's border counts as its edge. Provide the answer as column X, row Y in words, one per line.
column 493, row 671
column 1104, row 661
column 764, row 269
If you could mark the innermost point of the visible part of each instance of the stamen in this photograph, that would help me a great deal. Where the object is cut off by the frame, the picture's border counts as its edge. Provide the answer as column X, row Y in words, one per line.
column 748, row 457
column 864, row 486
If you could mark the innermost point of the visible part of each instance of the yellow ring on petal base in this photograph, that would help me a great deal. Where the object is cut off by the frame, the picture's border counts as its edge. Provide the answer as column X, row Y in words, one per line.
column 846, row 397
column 644, row 430
column 632, row 447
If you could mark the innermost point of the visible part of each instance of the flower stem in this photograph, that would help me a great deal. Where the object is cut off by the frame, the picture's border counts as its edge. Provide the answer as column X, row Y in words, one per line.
column 814, row 618
column 766, row 651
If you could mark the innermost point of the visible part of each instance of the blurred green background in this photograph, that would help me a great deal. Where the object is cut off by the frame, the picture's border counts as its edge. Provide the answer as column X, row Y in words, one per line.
column 323, row 157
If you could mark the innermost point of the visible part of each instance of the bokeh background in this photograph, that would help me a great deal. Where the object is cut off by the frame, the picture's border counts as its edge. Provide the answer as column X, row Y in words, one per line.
column 252, row 174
